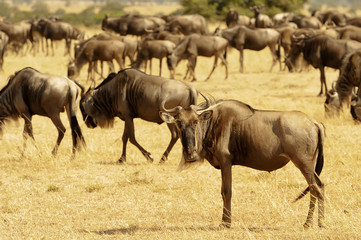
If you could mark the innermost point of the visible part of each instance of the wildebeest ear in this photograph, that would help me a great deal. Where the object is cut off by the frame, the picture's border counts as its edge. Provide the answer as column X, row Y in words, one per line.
column 206, row 115
column 166, row 117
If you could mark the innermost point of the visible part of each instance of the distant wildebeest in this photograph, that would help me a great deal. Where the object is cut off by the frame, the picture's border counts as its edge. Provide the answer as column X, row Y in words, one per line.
column 150, row 49
column 348, row 79
column 17, row 33
column 133, row 94
column 165, row 35
column 356, row 21
column 93, row 51
column 58, row 30
column 130, row 47
column 349, row 33
column 330, row 17
column 30, row 92
column 281, row 19
column 261, row 20
column 133, row 25
column 241, row 37
column 306, row 22
column 229, row 132
column 321, row 51
column 198, row 45
column 4, row 39
column 233, row 18
column 187, row 24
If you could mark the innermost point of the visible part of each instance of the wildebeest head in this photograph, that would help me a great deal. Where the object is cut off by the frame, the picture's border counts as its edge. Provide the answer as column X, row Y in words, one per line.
column 87, row 108
column 73, row 73
column 332, row 104
column 293, row 55
column 188, row 122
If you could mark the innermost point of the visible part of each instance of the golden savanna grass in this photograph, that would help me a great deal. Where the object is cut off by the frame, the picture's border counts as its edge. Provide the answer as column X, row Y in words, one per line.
column 91, row 197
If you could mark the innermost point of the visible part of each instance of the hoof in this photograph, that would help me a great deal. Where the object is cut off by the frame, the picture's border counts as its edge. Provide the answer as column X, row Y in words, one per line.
column 163, row 160
column 121, row 160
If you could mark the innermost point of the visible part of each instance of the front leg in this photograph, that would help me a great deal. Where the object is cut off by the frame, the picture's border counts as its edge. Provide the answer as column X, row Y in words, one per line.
column 226, row 171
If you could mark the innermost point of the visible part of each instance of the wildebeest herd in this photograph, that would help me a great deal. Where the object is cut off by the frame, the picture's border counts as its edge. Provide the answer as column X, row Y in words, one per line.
column 225, row 132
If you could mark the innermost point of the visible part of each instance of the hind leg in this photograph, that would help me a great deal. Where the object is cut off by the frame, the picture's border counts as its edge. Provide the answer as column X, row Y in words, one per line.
column 61, row 131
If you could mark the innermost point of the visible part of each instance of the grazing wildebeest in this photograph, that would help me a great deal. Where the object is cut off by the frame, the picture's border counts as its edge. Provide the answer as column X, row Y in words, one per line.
column 187, row 24
column 133, row 94
column 93, row 51
column 241, row 37
column 30, row 92
column 321, row 51
column 133, row 25
column 4, row 39
column 150, row 49
column 348, row 79
column 198, row 45
column 233, row 18
column 228, row 133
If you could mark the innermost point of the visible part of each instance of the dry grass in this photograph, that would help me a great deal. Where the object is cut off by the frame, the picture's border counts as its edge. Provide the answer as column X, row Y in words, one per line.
column 90, row 197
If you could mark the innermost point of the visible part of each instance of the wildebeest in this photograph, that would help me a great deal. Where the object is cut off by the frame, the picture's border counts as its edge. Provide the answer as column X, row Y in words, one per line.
column 233, row 18
column 93, row 51
column 349, row 33
column 132, row 24
column 133, row 94
column 331, row 17
column 17, row 34
column 321, row 51
column 57, row 30
column 150, row 49
column 187, row 24
column 261, row 20
column 30, row 92
column 229, row 132
column 348, row 79
column 241, row 37
column 306, row 22
column 198, row 45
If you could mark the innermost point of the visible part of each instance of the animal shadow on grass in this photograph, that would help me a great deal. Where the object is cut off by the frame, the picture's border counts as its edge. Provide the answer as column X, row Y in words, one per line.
column 132, row 229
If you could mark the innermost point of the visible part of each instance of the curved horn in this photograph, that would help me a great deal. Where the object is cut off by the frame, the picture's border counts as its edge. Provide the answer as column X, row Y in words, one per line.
column 81, row 87
column 354, row 92
column 202, row 106
column 174, row 110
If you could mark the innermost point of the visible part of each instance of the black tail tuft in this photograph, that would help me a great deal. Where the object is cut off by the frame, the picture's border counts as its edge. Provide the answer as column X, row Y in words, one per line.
column 78, row 139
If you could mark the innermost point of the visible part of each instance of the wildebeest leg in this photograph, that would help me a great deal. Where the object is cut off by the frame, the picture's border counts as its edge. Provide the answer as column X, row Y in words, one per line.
column 214, row 67
column 274, row 57
column 225, row 63
column 55, row 118
column 174, row 137
column 323, row 80
column 192, row 62
column 226, row 171
column 129, row 134
column 150, row 66
column 28, row 129
column 241, row 60
column 160, row 67
column 52, row 46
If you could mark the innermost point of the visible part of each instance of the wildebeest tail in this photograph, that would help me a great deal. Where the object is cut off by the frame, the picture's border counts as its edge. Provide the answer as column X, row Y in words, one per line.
column 278, row 51
column 76, row 132
column 319, row 162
